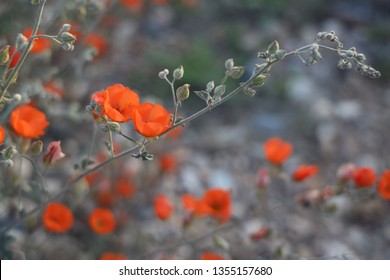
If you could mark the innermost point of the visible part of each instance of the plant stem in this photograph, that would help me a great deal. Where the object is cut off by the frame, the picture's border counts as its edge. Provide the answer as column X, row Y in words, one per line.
column 26, row 50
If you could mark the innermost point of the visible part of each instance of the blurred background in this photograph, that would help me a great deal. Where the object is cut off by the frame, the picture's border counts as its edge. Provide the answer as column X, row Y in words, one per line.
column 330, row 117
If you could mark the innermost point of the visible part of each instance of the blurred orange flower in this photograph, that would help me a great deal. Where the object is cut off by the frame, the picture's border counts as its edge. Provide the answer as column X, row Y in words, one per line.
column 215, row 202
column 304, row 171
column 98, row 42
column 99, row 98
column 119, row 102
column 15, row 59
column 133, row 5
column 384, row 185
column 28, row 121
column 189, row 202
column 112, row 256
column 150, row 120
column 40, row 45
column 124, row 188
column 276, row 150
column 162, row 207
column 102, row 221
column 168, row 163
column 211, row 256
column 364, row 177
column 57, row 217
column 2, row 134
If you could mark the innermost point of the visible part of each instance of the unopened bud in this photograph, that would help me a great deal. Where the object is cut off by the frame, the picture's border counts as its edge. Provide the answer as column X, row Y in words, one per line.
column 36, row 148
column 360, row 57
column 221, row 242
column 163, row 74
column 183, row 92
column 249, row 91
column 229, row 64
column 21, row 42
column 25, row 145
column 65, row 28
column 345, row 172
column 9, row 152
column 219, row 90
column 236, row 72
column 260, row 80
column 273, row 47
column 178, row 73
column 113, row 126
column 210, row 86
column 280, row 54
column 67, row 37
column 263, row 178
column 17, row 97
column 35, row 2
column 4, row 54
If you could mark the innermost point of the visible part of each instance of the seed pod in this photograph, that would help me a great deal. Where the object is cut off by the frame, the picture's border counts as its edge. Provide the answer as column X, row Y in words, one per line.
column 273, row 47
column 183, row 92
column 219, row 91
column 178, row 73
column 229, row 64
column 236, row 72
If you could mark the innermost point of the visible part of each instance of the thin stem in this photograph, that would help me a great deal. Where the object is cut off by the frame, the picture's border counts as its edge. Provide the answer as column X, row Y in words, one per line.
column 26, row 50
column 50, row 37
column 90, row 151
column 40, row 175
column 174, row 98
column 224, row 79
column 328, row 48
column 129, row 138
column 112, row 150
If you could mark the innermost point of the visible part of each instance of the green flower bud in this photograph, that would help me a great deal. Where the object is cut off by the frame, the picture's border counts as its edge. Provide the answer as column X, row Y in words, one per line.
column 67, row 47
column 21, row 42
column 259, row 81
column 9, row 152
column 229, row 64
column 4, row 54
column 236, row 72
column 17, row 97
column 183, row 92
column 67, row 37
column 210, row 86
column 36, row 148
column 219, row 90
column 273, row 47
column 280, row 54
column 65, row 28
column 113, row 126
column 178, row 73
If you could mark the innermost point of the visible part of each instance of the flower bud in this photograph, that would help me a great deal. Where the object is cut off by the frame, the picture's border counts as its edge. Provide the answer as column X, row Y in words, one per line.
column 9, row 152
column 36, row 148
column 25, row 145
column 345, row 172
column 65, row 28
column 163, row 74
column 35, row 2
column 67, row 47
column 280, row 54
column 67, row 37
column 183, row 92
column 113, row 126
column 260, row 80
column 21, row 42
column 4, row 54
column 17, row 97
column 210, row 86
column 273, row 47
column 178, row 73
column 263, row 179
column 229, row 64
column 219, row 90
column 236, row 72
column 221, row 242
column 53, row 153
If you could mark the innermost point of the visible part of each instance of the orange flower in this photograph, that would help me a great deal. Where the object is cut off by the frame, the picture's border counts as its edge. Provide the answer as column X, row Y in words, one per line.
column 119, row 102
column 57, row 217
column 28, row 121
column 2, row 133
column 276, row 150
column 40, row 45
column 98, row 42
column 112, row 256
column 133, row 5
column 99, row 98
column 168, row 163
column 384, row 185
column 162, row 207
column 304, row 171
column 215, row 202
column 150, row 120
column 364, row 177
column 175, row 133
column 124, row 188
column 15, row 59
column 211, row 256
column 102, row 221
column 189, row 202
column 54, row 88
